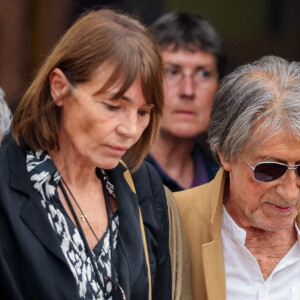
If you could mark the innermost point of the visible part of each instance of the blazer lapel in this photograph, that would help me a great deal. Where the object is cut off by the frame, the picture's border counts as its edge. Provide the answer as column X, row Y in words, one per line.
column 129, row 228
column 34, row 216
column 212, row 252
column 32, row 212
column 214, row 271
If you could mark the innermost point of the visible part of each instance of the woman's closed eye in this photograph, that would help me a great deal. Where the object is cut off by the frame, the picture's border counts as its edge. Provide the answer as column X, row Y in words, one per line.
column 144, row 112
column 112, row 107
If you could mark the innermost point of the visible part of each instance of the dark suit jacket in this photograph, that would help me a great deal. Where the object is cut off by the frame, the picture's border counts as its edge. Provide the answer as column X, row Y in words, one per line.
column 32, row 265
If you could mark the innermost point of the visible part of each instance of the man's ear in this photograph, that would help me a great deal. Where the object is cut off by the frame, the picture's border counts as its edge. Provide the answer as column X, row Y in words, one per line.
column 59, row 86
column 225, row 164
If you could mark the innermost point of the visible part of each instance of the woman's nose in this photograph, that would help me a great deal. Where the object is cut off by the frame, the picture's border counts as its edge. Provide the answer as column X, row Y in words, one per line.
column 128, row 126
column 187, row 88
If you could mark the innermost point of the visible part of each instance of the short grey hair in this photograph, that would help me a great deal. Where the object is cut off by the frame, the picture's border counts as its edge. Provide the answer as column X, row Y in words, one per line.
column 265, row 93
column 5, row 116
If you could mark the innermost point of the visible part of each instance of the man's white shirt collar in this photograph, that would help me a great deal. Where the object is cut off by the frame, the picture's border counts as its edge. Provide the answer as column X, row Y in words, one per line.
column 244, row 279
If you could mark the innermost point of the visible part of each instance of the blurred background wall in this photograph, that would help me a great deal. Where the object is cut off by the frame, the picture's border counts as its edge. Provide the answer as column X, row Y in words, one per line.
column 250, row 29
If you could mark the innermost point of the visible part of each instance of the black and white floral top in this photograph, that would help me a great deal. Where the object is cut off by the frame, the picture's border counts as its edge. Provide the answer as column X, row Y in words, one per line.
column 45, row 178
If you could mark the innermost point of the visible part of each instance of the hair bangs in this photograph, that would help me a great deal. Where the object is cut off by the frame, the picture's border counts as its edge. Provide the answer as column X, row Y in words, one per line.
column 123, row 73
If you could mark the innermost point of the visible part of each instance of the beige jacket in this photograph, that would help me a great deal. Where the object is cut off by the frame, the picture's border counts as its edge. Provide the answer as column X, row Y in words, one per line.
column 180, row 260
column 201, row 213
column 200, row 209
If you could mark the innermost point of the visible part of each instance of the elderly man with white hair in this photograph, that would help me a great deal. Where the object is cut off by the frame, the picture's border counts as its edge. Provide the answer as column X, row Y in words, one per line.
column 5, row 116
column 243, row 227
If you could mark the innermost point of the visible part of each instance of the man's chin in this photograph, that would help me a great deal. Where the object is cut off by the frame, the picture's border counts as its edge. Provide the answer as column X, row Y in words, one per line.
column 276, row 226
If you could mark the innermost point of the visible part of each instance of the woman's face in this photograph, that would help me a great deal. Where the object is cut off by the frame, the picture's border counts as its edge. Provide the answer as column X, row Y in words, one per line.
column 190, row 84
column 97, row 130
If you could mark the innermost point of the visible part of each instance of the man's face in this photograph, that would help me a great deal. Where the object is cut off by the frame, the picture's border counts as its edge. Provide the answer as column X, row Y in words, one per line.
column 190, row 84
column 272, row 205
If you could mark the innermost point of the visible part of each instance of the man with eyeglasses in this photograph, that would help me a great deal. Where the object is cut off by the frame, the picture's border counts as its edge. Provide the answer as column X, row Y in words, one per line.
column 193, row 63
column 243, row 227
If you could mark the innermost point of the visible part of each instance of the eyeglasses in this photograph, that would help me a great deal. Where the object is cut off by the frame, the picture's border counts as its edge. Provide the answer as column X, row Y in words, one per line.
column 175, row 74
column 267, row 171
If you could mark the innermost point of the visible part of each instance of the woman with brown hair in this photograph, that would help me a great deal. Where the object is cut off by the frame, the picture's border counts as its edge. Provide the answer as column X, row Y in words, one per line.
column 74, row 223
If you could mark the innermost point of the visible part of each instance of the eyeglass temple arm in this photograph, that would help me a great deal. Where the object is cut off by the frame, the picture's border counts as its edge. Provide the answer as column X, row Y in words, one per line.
column 251, row 167
column 290, row 167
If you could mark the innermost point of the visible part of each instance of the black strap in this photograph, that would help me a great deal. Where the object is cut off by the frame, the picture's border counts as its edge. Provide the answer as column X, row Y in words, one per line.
column 114, row 279
column 109, row 211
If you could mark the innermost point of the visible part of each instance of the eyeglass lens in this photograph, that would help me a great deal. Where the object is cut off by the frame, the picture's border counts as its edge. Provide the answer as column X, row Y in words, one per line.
column 271, row 171
column 175, row 74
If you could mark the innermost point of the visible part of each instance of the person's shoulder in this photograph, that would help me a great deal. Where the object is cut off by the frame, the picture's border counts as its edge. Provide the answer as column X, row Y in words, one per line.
column 9, row 159
column 190, row 196
column 150, row 190
column 11, row 146
column 4, row 169
column 4, row 149
column 200, row 200
column 6, row 139
column 148, row 176
column 12, row 156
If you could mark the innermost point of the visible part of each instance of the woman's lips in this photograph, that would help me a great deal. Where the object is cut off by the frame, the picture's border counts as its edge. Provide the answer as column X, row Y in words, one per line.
column 185, row 112
column 117, row 149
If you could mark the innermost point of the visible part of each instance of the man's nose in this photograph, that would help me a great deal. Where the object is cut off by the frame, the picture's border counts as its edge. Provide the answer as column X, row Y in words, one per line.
column 289, row 188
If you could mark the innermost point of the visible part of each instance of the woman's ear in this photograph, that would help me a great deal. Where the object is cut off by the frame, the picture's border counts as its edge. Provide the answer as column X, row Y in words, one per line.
column 59, row 86
column 225, row 164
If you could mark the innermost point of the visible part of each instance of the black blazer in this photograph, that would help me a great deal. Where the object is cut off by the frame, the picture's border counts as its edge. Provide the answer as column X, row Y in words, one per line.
column 32, row 265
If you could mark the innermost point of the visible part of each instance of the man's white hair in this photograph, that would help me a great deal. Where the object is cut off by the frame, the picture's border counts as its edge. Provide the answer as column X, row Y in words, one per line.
column 5, row 115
